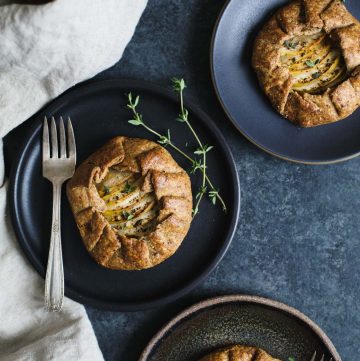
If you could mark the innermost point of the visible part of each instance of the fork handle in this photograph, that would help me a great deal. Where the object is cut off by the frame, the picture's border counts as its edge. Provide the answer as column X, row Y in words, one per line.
column 54, row 281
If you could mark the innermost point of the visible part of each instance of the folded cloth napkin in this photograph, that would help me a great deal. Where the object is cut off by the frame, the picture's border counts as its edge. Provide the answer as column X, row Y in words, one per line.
column 44, row 50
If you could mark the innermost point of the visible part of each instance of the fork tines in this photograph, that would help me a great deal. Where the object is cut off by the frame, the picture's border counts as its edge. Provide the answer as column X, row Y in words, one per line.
column 322, row 358
column 50, row 146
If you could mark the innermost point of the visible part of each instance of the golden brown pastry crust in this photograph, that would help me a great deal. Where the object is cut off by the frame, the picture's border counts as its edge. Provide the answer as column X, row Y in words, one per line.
column 239, row 353
column 307, row 17
column 160, row 176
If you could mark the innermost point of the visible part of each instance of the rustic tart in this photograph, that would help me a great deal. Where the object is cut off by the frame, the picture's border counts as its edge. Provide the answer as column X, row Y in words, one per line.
column 132, row 204
column 239, row 353
column 307, row 58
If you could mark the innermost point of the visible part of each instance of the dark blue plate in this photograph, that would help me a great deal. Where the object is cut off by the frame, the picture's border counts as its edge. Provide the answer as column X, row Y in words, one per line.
column 98, row 112
column 250, row 111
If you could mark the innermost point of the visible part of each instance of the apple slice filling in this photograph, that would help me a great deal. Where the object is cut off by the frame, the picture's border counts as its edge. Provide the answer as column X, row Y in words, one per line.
column 130, row 210
column 314, row 63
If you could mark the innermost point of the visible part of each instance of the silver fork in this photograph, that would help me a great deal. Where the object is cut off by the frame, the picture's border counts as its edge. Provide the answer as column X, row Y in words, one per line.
column 322, row 357
column 58, row 166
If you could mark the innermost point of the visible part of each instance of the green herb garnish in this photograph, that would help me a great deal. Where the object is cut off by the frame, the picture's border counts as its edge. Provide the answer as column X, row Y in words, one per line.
column 213, row 196
column 128, row 216
column 202, row 150
column 290, row 44
column 179, row 86
column 311, row 63
column 165, row 139
column 291, row 359
column 128, row 188
column 106, row 190
column 316, row 75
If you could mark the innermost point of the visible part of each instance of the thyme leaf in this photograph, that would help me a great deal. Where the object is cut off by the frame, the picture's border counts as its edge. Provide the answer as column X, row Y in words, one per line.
column 310, row 63
column 128, row 188
column 316, row 75
column 127, row 216
column 290, row 44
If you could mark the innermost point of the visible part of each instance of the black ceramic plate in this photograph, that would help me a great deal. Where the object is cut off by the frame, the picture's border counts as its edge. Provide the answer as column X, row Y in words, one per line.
column 247, row 107
column 223, row 321
column 98, row 113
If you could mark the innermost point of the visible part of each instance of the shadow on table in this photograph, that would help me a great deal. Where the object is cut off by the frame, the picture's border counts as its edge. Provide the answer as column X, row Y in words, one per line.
column 159, row 318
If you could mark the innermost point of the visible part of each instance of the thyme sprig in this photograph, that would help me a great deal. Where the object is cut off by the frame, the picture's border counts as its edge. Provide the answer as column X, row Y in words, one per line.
column 179, row 86
column 196, row 164
column 138, row 120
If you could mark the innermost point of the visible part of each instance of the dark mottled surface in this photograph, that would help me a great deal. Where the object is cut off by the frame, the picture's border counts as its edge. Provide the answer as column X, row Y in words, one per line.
column 244, row 323
column 298, row 237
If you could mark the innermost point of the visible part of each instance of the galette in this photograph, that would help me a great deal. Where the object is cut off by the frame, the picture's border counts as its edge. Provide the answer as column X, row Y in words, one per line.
column 239, row 353
column 307, row 59
column 132, row 204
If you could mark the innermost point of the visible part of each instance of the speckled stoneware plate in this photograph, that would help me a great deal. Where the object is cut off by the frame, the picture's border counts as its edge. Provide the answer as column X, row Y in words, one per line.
column 277, row 328
column 98, row 112
column 250, row 111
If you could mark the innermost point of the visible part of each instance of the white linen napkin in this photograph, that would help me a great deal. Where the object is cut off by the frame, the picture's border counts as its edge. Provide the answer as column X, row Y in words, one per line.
column 44, row 50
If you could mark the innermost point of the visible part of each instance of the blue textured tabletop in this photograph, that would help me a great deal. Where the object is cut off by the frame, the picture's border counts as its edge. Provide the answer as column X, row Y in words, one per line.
column 298, row 235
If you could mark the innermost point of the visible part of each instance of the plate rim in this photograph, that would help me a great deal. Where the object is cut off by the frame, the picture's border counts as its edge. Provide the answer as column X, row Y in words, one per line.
column 236, row 125
column 94, row 85
column 238, row 298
